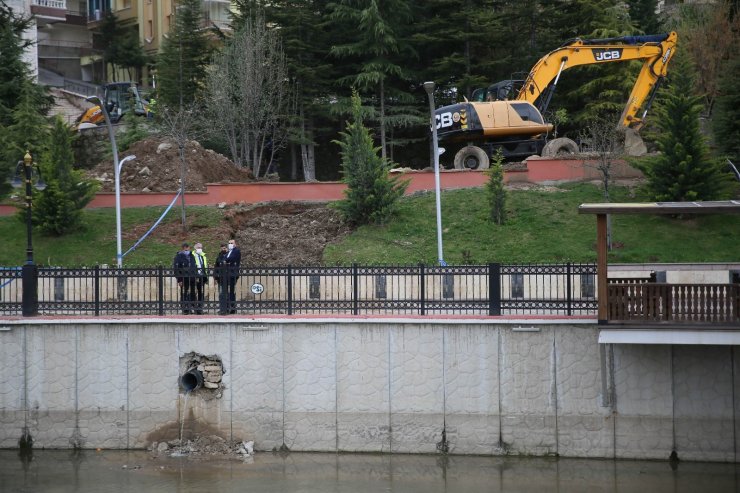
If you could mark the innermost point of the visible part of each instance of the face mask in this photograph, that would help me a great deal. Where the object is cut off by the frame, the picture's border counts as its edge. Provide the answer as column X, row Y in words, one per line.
column 231, row 247
column 199, row 251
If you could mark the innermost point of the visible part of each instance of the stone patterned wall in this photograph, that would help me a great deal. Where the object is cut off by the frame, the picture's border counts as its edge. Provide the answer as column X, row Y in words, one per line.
column 372, row 387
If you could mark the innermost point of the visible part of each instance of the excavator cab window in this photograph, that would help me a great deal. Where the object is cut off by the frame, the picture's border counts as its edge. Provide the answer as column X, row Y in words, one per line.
column 479, row 95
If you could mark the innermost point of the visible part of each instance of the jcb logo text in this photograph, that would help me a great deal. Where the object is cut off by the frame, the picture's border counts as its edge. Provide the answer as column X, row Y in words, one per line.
column 444, row 120
column 606, row 55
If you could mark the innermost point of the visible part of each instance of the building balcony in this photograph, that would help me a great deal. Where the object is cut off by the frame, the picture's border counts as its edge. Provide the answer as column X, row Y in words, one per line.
column 49, row 11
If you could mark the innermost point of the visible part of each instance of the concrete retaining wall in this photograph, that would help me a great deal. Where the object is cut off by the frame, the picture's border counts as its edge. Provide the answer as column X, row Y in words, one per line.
column 472, row 387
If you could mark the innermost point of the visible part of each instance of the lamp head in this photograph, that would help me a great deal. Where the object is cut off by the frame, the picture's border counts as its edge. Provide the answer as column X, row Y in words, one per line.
column 429, row 87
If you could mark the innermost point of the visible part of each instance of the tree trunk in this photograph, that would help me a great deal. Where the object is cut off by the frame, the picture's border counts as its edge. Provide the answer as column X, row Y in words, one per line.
column 183, row 172
column 293, row 163
column 382, row 120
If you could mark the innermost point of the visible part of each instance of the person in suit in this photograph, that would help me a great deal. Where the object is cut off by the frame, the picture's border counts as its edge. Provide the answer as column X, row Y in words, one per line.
column 221, row 277
column 184, row 270
column 233, row 262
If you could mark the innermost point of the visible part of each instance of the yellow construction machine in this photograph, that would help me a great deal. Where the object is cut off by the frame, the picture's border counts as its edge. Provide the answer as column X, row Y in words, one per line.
column 492, row 121
column 119, row 98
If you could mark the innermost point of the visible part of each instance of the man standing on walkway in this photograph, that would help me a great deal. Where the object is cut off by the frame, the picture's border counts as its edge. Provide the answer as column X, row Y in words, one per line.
column 233, row 262
column 221, row 278
column 184, row 269
column 201, row 276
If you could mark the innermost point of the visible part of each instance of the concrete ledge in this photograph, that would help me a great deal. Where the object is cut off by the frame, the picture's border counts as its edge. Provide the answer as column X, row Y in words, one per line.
column 670, row 337
column 527, row 323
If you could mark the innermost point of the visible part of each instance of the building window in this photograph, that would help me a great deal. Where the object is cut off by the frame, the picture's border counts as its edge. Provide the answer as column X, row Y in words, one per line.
column 588, row 285
column 517, row 285
column 149, row 29
column 314, row 287
column 380, row 291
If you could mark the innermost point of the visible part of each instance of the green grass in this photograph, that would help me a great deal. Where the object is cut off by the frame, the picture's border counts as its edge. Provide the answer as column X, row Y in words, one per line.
column 543, row 226
column 95, row 241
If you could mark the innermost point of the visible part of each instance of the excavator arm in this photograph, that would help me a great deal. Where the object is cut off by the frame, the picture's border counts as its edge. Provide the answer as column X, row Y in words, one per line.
column 655, row 52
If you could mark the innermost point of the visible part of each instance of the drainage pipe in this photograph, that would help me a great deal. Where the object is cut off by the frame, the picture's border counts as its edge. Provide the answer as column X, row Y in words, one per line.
column 191, row 380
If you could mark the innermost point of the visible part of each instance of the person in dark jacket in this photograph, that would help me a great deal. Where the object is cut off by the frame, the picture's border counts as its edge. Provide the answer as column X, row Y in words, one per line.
column 233, row 262
column 184, row 270
column 221, row 278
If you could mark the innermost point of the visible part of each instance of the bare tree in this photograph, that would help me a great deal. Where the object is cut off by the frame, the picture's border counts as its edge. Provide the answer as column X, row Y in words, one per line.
column 180, row 125
column 606, row 140
column 248, row 94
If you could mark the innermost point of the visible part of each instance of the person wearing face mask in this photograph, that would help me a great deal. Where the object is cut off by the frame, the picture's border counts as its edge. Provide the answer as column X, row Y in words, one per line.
column 233, row 262
column 221, row 278
column 201, row 276
column 184, row 269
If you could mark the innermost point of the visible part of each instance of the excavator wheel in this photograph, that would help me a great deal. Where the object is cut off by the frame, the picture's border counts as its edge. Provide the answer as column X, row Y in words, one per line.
column 561, row 145
column 471, row 157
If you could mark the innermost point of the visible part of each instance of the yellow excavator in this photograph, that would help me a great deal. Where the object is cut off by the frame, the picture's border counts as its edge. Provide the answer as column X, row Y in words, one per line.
column 119, row 99
column 493, row 121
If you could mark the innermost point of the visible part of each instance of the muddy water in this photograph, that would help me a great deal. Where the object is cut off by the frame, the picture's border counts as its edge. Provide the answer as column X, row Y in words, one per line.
column 137, row 472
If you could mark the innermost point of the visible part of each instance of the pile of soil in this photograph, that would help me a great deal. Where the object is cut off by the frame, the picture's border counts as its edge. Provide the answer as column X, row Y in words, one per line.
column 157, row 168
column 285, row 233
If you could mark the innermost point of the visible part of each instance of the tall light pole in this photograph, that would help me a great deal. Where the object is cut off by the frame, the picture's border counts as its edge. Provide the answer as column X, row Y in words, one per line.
column 429, row 88
column 29, row 271
column 116, row 172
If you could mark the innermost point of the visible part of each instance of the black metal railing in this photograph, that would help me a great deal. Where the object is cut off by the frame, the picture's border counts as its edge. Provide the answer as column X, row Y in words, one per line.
column 493, row 289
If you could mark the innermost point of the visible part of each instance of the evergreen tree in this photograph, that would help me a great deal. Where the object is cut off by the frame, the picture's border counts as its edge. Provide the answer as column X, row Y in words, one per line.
column 306, row 38
column 371, row 195
column 644, row 15
column 27, row 130
column 726, row 121
column 181, row 65
column 376, row 47
column 58, row 208
column 19, row 97
column 684, row 170
column 495, row 188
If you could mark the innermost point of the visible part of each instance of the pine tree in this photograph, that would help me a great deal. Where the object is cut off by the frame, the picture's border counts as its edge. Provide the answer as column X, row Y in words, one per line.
column 495, row 188
column 181, row 66
column 16, row 89
column 376, row 47
column 371, row 195
column 726, row 121
column 684, row 170
column 58, row 208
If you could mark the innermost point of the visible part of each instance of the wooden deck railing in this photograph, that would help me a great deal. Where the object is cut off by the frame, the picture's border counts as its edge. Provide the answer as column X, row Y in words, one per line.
column 675, row 303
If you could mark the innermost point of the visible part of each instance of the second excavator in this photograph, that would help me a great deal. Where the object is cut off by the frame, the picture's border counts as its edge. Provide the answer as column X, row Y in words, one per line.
column 492, row 121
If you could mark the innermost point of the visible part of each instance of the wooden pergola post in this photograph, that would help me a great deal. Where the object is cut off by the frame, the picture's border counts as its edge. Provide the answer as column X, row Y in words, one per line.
column 601, row 270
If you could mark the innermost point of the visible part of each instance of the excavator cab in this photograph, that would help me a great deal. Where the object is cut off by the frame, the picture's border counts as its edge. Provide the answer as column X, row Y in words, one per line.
column 500, row 91
column 119, row 98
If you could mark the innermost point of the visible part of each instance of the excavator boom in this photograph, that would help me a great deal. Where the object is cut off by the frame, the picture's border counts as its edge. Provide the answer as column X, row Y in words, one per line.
column 655, row 51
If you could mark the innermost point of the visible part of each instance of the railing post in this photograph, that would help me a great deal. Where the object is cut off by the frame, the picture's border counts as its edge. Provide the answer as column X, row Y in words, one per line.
column 494, row 289
column 569, row 289
column 290, row 290
column 422, row 291
column 355, row 291
column 160, row 290
column 96, row 290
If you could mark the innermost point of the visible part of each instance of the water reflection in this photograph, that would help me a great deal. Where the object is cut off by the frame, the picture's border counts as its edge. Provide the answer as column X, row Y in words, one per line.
column 114, row 471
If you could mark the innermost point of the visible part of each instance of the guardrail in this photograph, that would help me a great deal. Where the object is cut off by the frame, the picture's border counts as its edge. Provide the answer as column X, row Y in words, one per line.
column 676, row 303
column 493, row 289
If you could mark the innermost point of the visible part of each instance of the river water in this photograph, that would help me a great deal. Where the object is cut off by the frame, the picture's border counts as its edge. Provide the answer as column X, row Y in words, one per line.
column 141, row 472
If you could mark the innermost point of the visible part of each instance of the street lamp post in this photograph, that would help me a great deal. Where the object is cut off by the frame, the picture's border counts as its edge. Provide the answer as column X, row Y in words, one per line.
column 116, row 173
column 29, row 271
column 429, row 88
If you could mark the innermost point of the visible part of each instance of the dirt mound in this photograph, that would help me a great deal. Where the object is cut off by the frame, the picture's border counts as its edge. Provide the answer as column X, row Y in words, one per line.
column 285, row 233
column 157, row 168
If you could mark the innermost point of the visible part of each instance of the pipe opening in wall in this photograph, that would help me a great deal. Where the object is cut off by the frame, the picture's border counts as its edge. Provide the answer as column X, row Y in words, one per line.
column 191, row 380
